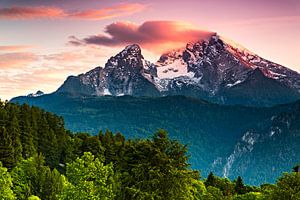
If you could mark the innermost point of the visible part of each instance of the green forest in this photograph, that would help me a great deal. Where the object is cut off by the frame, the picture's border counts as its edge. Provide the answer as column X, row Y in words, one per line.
column 40, row 159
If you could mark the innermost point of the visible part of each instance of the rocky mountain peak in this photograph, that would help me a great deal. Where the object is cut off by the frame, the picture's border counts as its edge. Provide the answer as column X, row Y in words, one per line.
column 129, row 58
column 213, row 69
column 37, row 94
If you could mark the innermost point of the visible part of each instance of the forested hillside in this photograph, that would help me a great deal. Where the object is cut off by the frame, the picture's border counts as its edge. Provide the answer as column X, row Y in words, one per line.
column 220, row 138
column 42, row 160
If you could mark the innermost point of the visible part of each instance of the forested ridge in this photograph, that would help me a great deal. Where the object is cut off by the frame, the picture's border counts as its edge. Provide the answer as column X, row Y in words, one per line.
column 40, row 159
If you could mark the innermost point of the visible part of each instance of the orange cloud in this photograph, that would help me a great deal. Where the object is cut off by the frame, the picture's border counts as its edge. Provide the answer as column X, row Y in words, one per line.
column 16, row 60
column 17, row 13
column 31, row 12
column 14, row 48
column 154, row 35
column 110, row 12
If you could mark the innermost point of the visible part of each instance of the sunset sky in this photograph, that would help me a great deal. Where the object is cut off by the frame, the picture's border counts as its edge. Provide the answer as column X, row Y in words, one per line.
column 42, row 42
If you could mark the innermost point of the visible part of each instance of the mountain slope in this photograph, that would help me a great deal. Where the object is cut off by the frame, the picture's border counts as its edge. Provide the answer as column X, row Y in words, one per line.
column 276, row 144
column 211, row 131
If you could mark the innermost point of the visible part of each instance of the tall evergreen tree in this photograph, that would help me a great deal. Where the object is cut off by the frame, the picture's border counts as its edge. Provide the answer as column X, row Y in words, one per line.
column 47, row 142
column 13, row 130
column 6, row 149
column 296, row 168
column 211, row 180
column 239, row 186
column 27, row 138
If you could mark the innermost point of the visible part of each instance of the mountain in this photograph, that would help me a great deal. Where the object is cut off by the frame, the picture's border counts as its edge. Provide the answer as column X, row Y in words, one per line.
column 127, row 73
column 230, row 135
column 216, row 134
column 216, row 69
column 278, row 144
column 37, row 94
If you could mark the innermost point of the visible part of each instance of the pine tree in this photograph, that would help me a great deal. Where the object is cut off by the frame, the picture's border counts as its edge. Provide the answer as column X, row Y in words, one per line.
column 211, row 180
column 13, row 129
column 47, row 142
column 27, row 137
column 239, row 186
column 296, row 168
column 6, row 149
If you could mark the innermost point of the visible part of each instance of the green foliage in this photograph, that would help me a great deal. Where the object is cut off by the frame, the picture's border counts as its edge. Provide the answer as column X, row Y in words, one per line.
column 156, row 169
column 26, row 131
column 213, row 193
column 32, row 197
column 89, row 178
column 13, row 129
column 250, row 196
column 32, row 177
column 6, row 192
column 288, row 187
column 223, row 184
column 239, row 187
column 6, row 148
column 211, row 180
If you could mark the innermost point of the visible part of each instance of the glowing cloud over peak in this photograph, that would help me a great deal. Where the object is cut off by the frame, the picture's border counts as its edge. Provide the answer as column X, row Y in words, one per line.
column 154, row 35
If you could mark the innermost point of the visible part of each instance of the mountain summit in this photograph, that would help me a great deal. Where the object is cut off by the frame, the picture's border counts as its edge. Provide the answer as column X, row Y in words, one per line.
column 215, row 69
column 127, row 73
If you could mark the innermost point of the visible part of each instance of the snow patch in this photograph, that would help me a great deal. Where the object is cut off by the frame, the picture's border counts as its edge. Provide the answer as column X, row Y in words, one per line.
column 176, row 69
column 106, row 92
column 233, row 84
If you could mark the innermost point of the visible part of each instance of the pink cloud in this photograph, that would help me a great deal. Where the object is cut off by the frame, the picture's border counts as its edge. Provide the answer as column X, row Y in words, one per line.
column 31, row 12
column 18, row 12
column 16, row 60
column 151, row 34
column 110, row 12
column 14, row 48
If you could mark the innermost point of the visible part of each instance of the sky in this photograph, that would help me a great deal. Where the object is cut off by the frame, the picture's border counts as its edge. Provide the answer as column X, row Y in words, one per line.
column 42, row 42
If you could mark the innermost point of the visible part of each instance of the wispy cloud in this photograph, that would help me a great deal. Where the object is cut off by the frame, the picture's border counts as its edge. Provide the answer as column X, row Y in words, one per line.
column 109, row 12
column 150, row 34
column 42, row 12
column 15, row 48
column 16, row 60
column 31, row 12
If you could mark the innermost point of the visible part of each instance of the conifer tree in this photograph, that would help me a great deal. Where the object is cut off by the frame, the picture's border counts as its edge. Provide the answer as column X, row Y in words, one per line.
column 296, row 168
column 13, row 130
column 239, row 186
column 27, row 138
column 47, row 142
column 210, row 181
column 6, row 149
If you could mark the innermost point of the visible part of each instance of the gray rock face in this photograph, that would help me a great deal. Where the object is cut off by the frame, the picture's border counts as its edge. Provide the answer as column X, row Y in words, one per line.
column 127, row 73
column 214, row 70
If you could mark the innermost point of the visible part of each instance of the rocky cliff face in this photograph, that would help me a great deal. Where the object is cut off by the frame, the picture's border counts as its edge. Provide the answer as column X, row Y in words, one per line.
column 127, row 73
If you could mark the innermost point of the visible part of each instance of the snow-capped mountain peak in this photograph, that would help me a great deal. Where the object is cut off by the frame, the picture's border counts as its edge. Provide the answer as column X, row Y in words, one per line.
column 214, row 69
column 37, row 94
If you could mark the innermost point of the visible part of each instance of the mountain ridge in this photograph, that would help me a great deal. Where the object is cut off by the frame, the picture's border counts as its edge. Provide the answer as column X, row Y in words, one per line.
column 208, row 69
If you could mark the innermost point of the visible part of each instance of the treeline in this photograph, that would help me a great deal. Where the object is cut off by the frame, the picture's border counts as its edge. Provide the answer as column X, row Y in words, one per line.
column 41, row 160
